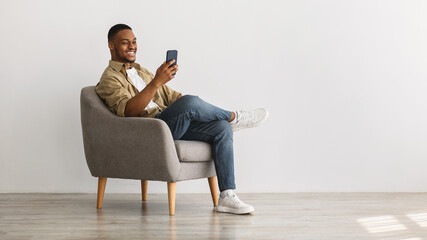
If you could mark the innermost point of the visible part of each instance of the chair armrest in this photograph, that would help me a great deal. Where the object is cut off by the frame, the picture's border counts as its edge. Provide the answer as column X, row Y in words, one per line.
column 130, row 148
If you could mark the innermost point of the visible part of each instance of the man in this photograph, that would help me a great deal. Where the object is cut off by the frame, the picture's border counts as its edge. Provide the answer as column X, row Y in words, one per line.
column 130, row 90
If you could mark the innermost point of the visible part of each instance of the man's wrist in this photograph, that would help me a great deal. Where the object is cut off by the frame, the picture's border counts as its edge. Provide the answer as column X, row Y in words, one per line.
column 154, row 83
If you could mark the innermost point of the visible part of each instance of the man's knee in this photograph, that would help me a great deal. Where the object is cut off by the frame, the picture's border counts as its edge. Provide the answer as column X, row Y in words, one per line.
column 189, row 98
column 190, row 101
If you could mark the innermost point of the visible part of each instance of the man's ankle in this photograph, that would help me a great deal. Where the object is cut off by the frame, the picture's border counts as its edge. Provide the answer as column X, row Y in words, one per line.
column 225, row 192
column 233, row 118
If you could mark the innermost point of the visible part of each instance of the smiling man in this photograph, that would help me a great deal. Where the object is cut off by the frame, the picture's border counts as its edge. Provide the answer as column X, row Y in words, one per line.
column 130, row 90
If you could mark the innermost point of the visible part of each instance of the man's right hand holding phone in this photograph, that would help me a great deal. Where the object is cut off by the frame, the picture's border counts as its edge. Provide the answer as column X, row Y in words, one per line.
column 165, row 73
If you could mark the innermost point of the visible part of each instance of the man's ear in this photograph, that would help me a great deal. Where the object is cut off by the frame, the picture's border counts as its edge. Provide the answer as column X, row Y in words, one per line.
column 110, row 45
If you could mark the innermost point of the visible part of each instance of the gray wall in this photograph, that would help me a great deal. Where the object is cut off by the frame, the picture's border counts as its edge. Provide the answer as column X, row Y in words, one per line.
column 345, row 82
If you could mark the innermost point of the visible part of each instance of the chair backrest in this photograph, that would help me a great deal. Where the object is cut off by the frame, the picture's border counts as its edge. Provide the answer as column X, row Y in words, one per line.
column 96, row 119
column 90, row 102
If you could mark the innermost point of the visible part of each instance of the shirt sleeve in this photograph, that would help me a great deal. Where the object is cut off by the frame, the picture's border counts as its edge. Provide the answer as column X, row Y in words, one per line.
column 170, row 94
column 114, row 94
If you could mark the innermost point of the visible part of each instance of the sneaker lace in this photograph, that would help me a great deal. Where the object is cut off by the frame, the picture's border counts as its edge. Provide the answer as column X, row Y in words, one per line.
column 245, row 116
column 235, row 199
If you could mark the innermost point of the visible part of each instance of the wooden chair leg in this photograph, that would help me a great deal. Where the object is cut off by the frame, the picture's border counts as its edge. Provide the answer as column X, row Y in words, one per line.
column 214, row 191
column 144, row 184
column 171, row 197
column 101, row 189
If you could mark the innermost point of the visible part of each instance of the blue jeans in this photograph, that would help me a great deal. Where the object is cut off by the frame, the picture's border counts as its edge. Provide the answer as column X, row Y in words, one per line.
column 191, row 118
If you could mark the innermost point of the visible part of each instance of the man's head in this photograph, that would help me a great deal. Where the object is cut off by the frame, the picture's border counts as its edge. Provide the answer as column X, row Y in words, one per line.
column 122, row 44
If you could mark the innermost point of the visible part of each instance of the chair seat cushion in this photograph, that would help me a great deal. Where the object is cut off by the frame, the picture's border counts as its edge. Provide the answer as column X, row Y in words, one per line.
column 193, row 151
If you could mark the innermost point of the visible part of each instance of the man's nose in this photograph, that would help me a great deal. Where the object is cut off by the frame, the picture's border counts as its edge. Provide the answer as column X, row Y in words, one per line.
column 132, row 45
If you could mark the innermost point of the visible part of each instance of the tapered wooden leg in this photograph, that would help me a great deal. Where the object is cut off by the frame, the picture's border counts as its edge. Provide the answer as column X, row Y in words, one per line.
column 144, row 184
column 101, row 189
column 214, row 191
column 171, row 197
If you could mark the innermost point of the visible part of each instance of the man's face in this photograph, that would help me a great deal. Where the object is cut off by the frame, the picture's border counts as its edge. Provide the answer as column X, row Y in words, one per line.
column 123, row 47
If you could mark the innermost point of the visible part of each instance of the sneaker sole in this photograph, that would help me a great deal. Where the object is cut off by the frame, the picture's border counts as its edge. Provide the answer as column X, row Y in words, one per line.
column 232, row 210
column 255, row 125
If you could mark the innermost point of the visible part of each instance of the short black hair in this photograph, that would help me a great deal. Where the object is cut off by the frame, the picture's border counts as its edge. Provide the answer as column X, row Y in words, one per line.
column 115, row 29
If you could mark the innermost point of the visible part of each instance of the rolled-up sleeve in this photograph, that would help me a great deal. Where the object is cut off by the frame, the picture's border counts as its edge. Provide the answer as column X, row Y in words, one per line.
column 170, row 94
column 114, row 95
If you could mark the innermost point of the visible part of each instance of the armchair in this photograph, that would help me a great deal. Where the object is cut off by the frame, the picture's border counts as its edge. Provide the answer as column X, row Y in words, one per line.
column 139, row 148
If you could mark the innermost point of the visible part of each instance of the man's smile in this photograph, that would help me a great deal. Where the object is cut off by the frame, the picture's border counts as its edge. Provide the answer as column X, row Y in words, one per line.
column 131, row 53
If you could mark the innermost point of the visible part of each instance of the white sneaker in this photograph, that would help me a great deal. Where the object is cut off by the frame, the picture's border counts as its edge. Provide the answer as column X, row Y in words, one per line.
column 249, row 119
column 230, row 203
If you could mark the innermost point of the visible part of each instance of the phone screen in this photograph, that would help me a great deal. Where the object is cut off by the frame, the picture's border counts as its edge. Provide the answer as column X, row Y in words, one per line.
column 172, row 54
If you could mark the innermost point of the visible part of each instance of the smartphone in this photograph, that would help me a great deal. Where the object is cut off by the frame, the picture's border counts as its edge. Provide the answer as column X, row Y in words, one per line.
column 172, row 54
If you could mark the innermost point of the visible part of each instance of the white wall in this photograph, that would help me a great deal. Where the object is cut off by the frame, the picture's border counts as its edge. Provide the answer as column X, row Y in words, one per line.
column 345, row 82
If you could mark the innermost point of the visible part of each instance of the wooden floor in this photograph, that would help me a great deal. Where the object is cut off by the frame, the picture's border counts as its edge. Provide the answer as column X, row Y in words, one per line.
column 300, row 216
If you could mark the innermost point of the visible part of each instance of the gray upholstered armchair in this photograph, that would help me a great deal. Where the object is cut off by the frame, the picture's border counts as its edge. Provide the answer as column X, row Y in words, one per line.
column 139, row 148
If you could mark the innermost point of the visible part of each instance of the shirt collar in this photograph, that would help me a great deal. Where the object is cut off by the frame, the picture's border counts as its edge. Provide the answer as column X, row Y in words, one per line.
column 118, row 66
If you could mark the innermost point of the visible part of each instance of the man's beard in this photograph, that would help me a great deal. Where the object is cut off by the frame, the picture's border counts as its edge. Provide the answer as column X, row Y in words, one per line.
column 123, row 59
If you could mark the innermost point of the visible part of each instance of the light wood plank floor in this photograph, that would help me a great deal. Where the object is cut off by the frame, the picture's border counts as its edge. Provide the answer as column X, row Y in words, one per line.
column 300, row 216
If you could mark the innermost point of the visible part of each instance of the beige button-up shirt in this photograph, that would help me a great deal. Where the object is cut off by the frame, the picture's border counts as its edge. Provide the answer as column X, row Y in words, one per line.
column 116, row 89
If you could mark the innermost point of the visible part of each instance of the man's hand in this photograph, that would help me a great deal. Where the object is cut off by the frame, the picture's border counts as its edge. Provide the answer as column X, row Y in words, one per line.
column 140, row 101
column 165, row 73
